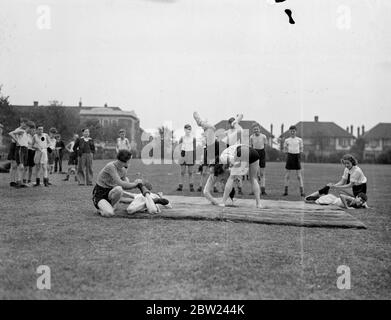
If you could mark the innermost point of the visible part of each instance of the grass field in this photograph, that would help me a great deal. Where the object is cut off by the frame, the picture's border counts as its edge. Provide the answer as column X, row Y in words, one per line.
column 96, row 258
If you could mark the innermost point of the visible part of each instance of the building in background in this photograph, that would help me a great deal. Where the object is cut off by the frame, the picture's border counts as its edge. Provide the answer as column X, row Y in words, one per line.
column 109, row 117
column 377, row 140
column 322, row 138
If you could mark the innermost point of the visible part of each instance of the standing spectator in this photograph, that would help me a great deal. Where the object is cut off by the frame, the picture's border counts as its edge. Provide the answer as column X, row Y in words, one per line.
column 187, row 160
column 11, row 156
column 52, row 149
column 41, row 144
column 20, row 135
column 293, row 147
column 60, row 146
column 258, row 141
column 122, row 142
column 73, row 157
column 85, row 148
column 30, row 155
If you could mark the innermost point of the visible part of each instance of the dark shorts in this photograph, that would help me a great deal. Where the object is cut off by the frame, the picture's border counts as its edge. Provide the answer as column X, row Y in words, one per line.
column 188, row 159
column 293, row 161
column 252, row 153
column 72, row 159
column 30, row 158
column 262, row 157
column 100, row 193
column 21, row 156
column 359, row 188
column 11, row 152
column 51, row 156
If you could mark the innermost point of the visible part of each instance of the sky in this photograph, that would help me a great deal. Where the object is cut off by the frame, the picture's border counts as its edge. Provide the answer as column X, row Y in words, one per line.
column 165, row 59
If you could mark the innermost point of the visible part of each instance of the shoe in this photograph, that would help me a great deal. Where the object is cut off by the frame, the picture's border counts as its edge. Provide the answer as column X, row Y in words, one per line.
column 215, row 190
column 12, row 184
column 263, row 193
column 180, row 188
column 302, row 194
column 19, row 186
column 192, row 189
column 240, row 192
column 66, row 179
column 161, row 201
column 199, row 189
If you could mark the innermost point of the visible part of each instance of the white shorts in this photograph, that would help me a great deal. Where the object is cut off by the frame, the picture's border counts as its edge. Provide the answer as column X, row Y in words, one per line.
column 41, row 157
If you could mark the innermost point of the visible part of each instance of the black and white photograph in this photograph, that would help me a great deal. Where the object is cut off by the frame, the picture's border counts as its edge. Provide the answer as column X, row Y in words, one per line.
column 208, row 151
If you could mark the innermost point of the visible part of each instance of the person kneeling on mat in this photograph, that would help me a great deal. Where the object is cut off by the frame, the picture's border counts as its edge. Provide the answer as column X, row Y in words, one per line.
column 112, row 181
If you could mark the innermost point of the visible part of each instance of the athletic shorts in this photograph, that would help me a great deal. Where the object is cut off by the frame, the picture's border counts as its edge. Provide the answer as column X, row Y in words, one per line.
column 21, row 156
column 41, row 157
column 72, row 159
column 293, row 161
column 11, row 152
column 359, row 188
column 262, row 157
column 252, row 153
column 30, row 158
column 99, row 193
column 187, row 159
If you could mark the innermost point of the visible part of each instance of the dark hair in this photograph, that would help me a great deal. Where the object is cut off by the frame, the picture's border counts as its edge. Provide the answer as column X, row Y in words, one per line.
column 187, row 126
column 350, row 158
column 121, row 130
column 124, row 155
column 53, row 130
column 292, row 128
column 363, row 196
column 30, row 124
column 255, row 124
column 230, row 120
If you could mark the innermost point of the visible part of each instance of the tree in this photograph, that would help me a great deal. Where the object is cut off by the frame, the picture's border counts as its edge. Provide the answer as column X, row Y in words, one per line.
column 358, row 149
column 8, row 117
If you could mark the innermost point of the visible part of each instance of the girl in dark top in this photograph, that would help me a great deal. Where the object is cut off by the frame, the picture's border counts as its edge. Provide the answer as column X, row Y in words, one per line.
column 85, row 149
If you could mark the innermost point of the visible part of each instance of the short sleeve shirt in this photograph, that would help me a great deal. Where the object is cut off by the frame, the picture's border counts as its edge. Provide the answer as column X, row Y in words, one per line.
column 356, row 175
column 293, row 145
column 109, row 174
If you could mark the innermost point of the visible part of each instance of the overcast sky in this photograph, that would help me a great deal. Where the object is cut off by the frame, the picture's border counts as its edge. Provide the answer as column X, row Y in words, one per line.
column 166, row 58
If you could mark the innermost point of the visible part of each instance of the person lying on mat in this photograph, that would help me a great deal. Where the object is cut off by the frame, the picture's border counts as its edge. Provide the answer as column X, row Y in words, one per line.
column 138, row 202
column 112, row 181
column 343, row 201
column 352, row 177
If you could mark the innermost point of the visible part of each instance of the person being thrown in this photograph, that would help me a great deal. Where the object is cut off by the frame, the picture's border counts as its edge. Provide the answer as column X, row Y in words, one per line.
column 112, row 181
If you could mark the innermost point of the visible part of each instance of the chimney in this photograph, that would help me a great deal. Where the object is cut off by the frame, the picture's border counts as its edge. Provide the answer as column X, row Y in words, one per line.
column 316, row 118
column 358, row 132
column 105, row 105
column 362, row 130
column 351, row 129
column 347, row 128
column 271, row 129
column 35, row 103
column 80, row 103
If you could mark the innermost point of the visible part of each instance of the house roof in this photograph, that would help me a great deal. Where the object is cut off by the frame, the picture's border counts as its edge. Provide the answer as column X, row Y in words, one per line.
column 245, row 124
column 107, row 111
column 381, row 130
column 309, row 129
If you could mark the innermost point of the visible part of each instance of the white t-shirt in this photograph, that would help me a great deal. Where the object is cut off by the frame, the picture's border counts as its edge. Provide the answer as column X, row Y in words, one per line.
column 187, row 143
column 21, row 137
column 123, row 144
column 356, row 175
column 52, row 143
column 293, row 145
column 41, row 142
column 258, row 142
